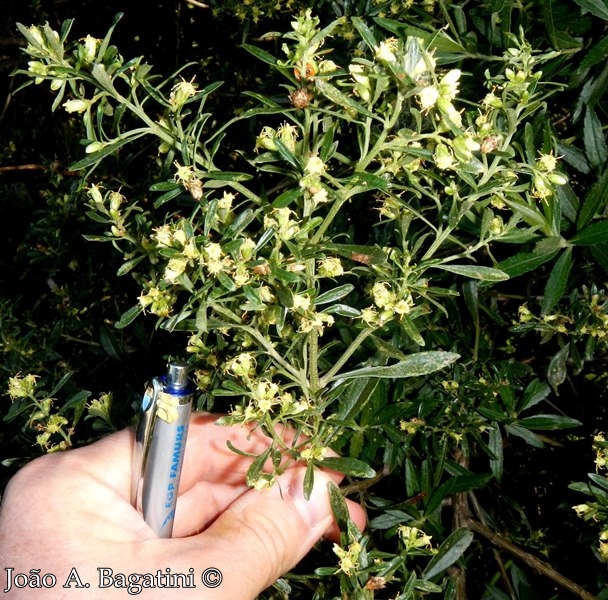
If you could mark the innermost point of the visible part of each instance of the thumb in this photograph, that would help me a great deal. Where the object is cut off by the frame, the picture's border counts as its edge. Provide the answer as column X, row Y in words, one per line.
column 263, row 534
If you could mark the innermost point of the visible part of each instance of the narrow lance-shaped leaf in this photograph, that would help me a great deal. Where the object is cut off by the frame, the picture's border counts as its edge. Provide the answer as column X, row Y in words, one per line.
column 309, row 480
column 411, row 330
column 349, row 466
column 594, row 140
column 256, row 467
column 414, row 365
column 524, row 262
column 596, row 54
column 534, row 393
column 128, row 317
column 475, row 272
column 594, row 201
column 595, row 7
column 333, row 94
column 338, row 506
column 449, row 552
column 548, row 422
column 260, row 54
column 596, row 233
column 495, row 444
column 558, row 279
column 600, row 254
column 365, row 32
column 108, row 149
column 334, row 294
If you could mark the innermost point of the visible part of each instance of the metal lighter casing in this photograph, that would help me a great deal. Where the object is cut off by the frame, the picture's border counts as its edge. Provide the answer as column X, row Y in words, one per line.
column 160, row 443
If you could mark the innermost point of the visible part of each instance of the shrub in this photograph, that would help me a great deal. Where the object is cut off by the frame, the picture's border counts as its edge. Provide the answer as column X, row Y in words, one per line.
column 381, row 247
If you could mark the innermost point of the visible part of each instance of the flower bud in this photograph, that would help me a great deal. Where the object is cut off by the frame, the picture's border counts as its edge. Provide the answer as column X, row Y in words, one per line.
column 362, row 83
column 89, row 48
column 266, row 139
column 94, row 147
column 116, row 200
column 557, row 178
column 76, row 105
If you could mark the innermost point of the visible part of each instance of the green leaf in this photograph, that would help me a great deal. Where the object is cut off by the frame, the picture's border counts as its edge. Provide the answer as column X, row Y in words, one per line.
column 530, row 215
column 534, row 393
column 558, row 279
column 129, row 265
column 260, row 54
column 338, row 506
column 344, row 310
column 367, row 255
column 109, row 343
column 596, row 233
column 334, row 294
column 600, row 254
column 128, row 317
column 365, row 182
column 164, row 186
column 496, row 446
column 547, row 422
column 257, row 467
column 449, row 552
column 594, row 140
column 594, row 201
column 428, row 587
column 599, row 480
column 240, row 222
column 595, row 7
column 286, row 154
column 213, row 176
column 103, row 47
column 596, row 54
column 167, row 196
column 61, row 383
column 557, row 371
column 287, row 198
column 435, row 39
column 475, row 272
column 365, row 32
column 333, row 94
column 455, row 485
column 411, row 330
column 104, row 81
column 524, row 262
column 525, row 434
column 568, row 201
column 355, row 397
column 112, row 147
column 414, row 365
column 347, row 465
column 309, row 480
column 470, row 292
column 574, row 157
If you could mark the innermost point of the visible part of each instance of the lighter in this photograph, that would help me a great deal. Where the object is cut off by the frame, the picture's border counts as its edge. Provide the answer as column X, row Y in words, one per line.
column 160, row 442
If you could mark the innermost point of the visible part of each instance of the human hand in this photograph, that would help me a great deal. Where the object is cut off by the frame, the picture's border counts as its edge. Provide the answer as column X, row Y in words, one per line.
column 69, row 515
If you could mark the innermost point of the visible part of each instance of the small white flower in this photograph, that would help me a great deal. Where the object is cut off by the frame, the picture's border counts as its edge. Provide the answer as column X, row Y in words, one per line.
column 428, row 96
column 386, row 50
column 315, row 166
